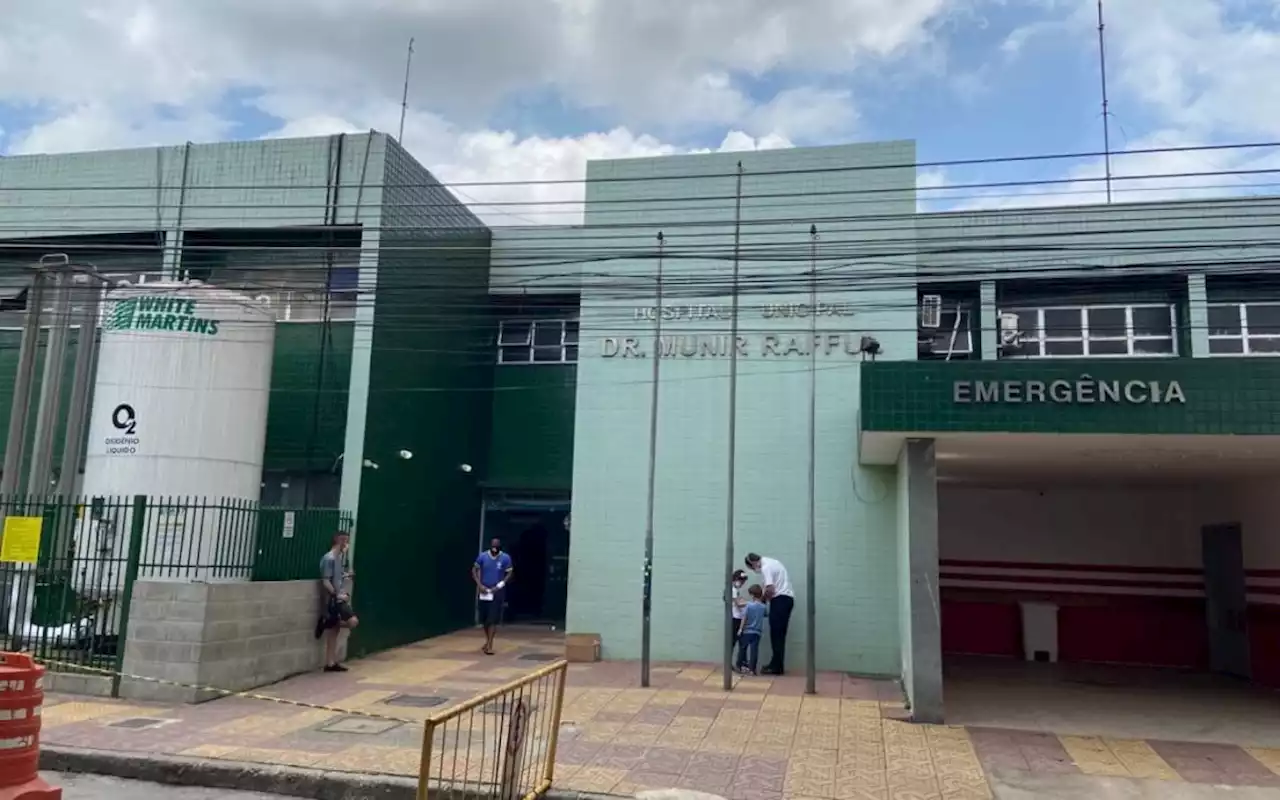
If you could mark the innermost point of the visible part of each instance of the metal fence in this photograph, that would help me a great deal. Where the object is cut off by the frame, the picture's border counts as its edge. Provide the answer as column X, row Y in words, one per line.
column 500, row 744
column 68, row 566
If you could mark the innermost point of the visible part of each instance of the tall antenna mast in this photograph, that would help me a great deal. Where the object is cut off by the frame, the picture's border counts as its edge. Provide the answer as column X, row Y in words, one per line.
column 1106, row 113
column 404, row 97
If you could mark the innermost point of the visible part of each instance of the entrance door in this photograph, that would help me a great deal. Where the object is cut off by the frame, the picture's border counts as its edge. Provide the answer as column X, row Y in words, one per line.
column 557, row 596
column 534, row 532
column 1226, row 603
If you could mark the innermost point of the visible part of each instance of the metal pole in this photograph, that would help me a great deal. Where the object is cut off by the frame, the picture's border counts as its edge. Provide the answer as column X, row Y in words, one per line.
column 11, row 482
column 78, row 410
column 733, row 437
column 1106, row 113
column 404, row 97
column 647, row 599
column 51, row 383
column 810, row 554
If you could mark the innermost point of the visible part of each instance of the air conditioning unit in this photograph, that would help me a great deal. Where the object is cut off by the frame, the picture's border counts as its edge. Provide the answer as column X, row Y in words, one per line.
column 931, row 311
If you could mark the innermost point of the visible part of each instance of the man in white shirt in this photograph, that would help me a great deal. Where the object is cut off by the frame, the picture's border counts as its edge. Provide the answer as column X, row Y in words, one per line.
column 781, row 599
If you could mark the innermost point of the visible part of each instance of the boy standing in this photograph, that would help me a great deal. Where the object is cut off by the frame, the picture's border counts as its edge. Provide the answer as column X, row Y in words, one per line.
column 338, row 614
column 749, row 633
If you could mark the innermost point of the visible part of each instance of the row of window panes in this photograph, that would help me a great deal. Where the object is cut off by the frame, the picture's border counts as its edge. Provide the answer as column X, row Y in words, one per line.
column 1251, row 329
column 539, row 342
column 1110, row 331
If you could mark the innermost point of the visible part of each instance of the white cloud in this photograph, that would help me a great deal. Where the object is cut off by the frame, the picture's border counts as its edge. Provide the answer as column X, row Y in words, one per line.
column 1177, row 171
column 649, row 62
column 98, row 126
column 537, row 179
column 121, row 73
column 806, row 113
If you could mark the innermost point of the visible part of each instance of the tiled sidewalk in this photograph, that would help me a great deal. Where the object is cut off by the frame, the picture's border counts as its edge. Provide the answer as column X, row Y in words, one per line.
column 765, row 740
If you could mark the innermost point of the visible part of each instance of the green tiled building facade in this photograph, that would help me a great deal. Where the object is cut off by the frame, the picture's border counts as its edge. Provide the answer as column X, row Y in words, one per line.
column 516, row 366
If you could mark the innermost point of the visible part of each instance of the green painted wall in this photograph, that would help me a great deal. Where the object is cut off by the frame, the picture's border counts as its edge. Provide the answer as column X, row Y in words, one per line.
column 430, row 383
column 532, row 435
column 309, row 378
column 1223, row 396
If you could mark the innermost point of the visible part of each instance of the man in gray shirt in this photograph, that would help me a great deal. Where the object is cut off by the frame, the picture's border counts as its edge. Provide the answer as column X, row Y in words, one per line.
column 338, row 614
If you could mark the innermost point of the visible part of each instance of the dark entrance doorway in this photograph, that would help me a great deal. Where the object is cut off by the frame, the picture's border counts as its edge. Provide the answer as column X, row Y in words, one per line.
column 534, row 530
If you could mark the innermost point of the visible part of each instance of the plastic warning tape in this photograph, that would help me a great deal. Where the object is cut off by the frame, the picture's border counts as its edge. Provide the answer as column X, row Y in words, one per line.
column 227, row 692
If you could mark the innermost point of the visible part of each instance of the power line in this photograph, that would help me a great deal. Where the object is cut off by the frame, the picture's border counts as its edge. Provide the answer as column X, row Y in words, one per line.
column 986, row 161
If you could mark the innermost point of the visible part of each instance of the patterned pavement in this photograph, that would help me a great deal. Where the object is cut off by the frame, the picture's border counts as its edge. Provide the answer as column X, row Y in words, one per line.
column 765, row 740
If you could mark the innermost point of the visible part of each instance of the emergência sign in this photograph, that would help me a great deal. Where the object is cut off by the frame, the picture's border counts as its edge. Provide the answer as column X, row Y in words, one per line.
column 1082, row 391
column 160, row 314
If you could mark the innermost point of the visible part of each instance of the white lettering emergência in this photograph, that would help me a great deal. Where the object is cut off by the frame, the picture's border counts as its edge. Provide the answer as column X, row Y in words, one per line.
column 1084, row 390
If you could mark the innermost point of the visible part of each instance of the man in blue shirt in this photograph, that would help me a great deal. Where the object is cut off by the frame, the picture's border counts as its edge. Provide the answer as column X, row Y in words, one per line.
column 491, row 572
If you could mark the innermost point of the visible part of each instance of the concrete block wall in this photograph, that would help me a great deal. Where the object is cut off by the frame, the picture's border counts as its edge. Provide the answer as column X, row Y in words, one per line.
column 233, row 636
column 857, row 583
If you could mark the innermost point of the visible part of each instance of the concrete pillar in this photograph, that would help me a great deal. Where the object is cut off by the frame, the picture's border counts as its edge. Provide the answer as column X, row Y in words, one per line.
column 353, row 454
column 989, row 336
column 1198, row 315
column 922, row 640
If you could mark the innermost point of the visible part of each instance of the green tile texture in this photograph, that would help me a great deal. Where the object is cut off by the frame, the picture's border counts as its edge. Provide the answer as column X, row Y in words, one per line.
column 429, row 389
column 531, row 444
column 307, row 415
column 1223, row 396
column 857, row 584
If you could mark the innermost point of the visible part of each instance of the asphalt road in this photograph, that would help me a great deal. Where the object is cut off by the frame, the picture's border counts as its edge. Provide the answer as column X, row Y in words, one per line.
column 95, row 787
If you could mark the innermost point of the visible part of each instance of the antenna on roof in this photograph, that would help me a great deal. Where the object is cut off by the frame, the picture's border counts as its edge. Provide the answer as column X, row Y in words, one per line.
column 404, row 97
column 1106, row 114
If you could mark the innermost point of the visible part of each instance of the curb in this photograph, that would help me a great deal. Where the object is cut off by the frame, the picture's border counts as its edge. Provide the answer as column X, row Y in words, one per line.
column 266, row 779
column 233, row 775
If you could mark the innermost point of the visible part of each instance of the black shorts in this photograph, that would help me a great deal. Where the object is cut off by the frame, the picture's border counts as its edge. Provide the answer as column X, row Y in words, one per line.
column 338, row 612
column 490, row 611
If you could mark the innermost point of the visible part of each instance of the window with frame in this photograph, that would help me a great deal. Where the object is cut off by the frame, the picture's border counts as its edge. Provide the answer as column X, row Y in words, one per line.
column 953, row 338
column 1244, row 329
column 1135, row 330
column 543, row 341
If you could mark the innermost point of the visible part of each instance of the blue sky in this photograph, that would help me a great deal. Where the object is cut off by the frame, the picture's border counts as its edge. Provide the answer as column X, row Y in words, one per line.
column 529, row 91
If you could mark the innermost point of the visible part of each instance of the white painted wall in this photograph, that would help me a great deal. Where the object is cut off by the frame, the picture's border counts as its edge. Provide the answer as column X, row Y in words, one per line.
column 1121, row 526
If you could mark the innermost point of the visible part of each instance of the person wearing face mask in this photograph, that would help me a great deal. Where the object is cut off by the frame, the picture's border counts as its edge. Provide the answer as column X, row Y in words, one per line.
column 739, row 603
column 491, row 572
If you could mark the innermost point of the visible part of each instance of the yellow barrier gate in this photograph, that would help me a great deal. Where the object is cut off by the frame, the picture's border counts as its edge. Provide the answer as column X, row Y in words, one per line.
column 500, row 744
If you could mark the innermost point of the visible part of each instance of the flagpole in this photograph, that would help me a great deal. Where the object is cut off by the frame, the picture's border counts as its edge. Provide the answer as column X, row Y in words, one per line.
column 811, row 582
column 647, row 599
column 733, row 437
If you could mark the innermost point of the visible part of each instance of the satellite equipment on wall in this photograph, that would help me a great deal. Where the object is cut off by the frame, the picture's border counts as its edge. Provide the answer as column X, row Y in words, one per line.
column 1010, row 336
column 931, row 311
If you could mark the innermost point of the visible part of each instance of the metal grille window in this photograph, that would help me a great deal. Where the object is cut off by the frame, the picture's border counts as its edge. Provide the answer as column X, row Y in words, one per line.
column 1101, row 331
column 1244, row 329
column 538, row 342
column 953, row 337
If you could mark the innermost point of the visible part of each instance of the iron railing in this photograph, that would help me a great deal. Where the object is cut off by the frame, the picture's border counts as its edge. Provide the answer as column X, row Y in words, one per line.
column 68, row 565
column 499, row 745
